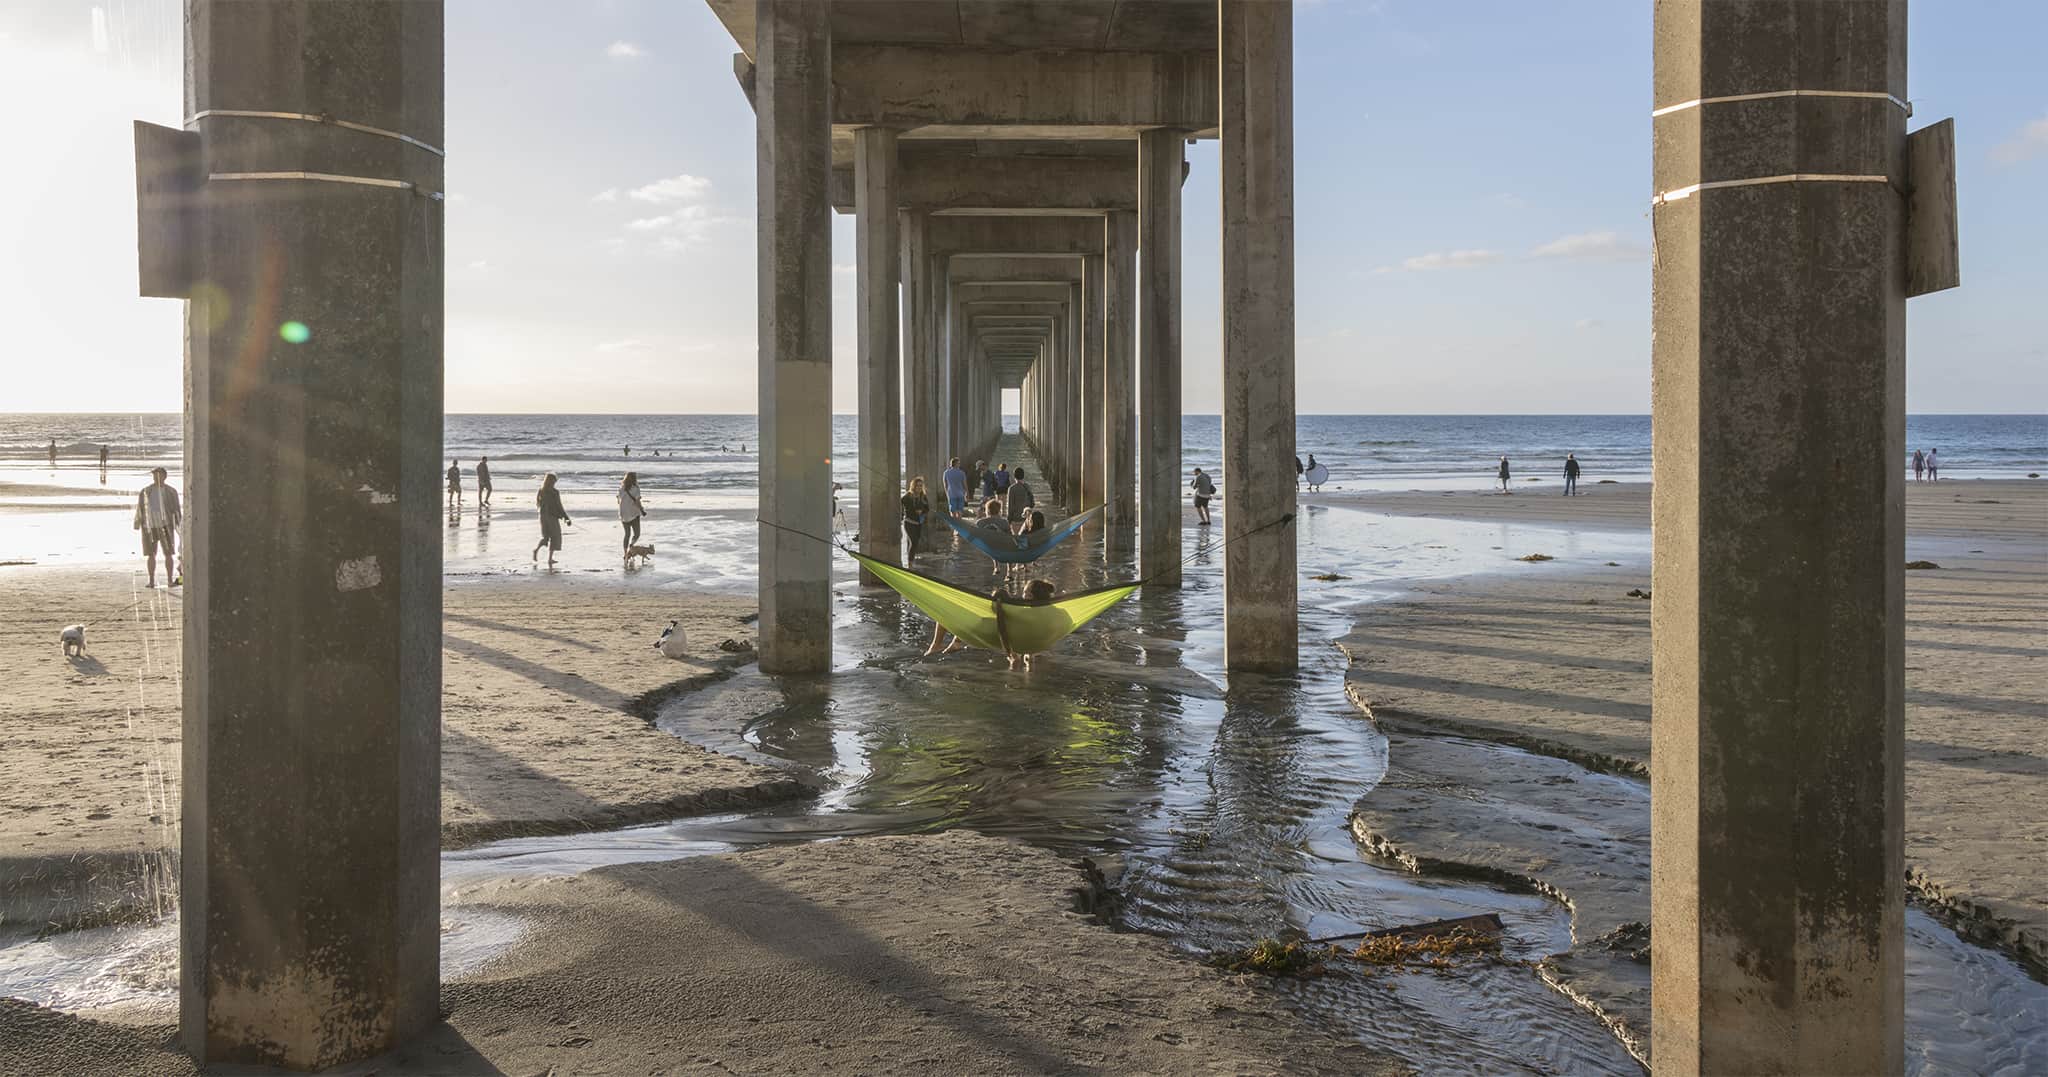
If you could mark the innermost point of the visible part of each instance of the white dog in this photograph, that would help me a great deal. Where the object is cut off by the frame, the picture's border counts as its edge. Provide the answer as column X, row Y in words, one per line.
column 674, row 642
column 74, row 640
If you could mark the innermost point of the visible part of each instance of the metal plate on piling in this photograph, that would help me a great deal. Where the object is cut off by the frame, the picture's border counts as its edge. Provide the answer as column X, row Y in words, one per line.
column 168, row 178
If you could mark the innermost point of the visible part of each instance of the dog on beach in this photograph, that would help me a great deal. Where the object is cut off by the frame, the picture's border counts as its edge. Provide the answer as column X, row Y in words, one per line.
column 74, row 640
column 644, row 553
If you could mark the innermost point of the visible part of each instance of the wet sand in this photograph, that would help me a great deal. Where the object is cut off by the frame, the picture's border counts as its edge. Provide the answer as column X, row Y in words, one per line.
column 550, row 686
column 1555, row 659
column 949, row 953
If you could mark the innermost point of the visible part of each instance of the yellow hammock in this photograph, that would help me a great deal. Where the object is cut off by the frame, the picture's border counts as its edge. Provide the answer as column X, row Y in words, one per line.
column 1030, row 627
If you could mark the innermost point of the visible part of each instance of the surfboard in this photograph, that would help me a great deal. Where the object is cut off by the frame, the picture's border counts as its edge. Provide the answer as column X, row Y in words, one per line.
column 1317, row 475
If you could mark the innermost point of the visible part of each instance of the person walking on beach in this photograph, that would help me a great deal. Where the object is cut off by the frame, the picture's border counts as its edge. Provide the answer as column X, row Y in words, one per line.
column 483, row 483
column 157, row 516
column 1298, row 469
column 454, row 484
column 1204, row 490
column 1571, row 474
column 1933, row 465
column 630, row 509
column 917, row 506
column 955, row 482
column 552, row 517
column 1003, row 479
column 1504, row 475
column 1019, row 499
column 53, row 452
column 1919, row 465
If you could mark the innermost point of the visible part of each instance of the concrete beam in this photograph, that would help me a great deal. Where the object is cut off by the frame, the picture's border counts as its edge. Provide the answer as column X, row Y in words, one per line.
column 1009, row 185
column 1778, row 356
column 310, row 834
column 1068, row 90
column 1016, row 236
column 1260, row 613
column 792, row 90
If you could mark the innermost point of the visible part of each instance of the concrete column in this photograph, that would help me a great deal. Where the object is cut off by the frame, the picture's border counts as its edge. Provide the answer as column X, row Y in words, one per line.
column 1159, row 510
column 1119, row 379
column 881, row 364
column 955, row 346
column 793, row 170
column 310, row 837
column 917, row 443
column 941, row 325
column 1778, row 358
column 1094, row 440
column 1255, row 99
column 1077, row 394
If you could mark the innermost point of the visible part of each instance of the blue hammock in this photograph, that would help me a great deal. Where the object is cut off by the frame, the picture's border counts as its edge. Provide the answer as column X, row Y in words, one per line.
column 1022, row 549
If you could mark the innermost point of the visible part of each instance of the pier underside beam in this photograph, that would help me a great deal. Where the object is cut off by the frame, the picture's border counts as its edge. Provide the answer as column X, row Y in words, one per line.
column 1778, row 350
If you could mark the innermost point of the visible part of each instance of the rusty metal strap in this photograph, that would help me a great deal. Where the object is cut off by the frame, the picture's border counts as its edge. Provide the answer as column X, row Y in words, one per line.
column 311, row 117
column 1793, row 177
column 327, row 177
column 1877, row 95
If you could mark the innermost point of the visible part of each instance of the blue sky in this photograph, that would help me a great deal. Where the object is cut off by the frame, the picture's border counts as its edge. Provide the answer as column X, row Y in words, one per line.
column 1472, row 183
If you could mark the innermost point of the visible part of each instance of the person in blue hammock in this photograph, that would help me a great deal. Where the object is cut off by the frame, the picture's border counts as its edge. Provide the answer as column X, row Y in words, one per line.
column 994, row 519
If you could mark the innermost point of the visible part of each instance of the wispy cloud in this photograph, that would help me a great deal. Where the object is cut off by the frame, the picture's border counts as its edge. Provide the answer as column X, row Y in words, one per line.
column 1434, row 260
column 684, row 228
column 609, row 194
column 843, row 268
column 678, row 188
column 625, row 50
column 2030, row 141
column 1594, row 247
column 1587, row 324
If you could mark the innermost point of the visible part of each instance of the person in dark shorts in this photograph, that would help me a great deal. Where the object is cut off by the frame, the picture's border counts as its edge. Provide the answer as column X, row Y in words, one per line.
column 157, row 516
column 483, row 483
column 917, row 506
column 552, row 517
column 454, row 484
column 1204, row 490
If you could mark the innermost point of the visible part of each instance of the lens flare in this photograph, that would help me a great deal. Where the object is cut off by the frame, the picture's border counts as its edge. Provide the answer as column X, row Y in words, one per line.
column 294, row 332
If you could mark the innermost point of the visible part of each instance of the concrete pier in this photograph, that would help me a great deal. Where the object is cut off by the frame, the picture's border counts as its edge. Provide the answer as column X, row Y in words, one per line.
column 921, row 451
column 1094, row 433
column 1160, row 168
column 881, row 420
column 1256, row 103
column 310, row 823
column 1119, row 379
column 1779, row 318
column 793, row 150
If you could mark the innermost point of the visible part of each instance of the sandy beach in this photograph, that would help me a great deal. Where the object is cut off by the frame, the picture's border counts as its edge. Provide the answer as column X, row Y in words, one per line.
column 1555, row 659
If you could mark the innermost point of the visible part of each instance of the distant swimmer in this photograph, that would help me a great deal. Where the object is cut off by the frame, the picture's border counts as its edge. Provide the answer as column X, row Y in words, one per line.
column 1571, row 474
column 1504, row 475
column 157, row 516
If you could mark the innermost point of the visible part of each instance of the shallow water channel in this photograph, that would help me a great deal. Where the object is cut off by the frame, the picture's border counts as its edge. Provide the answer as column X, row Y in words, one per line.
column 1219, row 808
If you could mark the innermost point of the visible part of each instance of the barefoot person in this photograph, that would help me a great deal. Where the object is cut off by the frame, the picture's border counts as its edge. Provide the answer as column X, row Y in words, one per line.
column 1204, row 490
column 917, row 506
column 454, row 484
column 1504, row 474
column 157, row 516
column 1035, row 591
column 483, row 483
column 630, row 509
column 552, row 517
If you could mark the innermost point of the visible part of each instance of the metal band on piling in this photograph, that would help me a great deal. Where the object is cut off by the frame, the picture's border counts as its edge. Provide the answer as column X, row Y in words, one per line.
column 327, row 177
column 1875, row 95
column 312, row 117
column 1795, row 177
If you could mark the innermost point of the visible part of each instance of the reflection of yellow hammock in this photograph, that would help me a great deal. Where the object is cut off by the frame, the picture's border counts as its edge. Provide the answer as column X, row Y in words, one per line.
column 1030, row 627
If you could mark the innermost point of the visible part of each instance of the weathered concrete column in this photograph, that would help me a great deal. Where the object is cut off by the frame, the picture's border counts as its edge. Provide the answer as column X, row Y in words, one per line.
column 1077, row 394
column 793, row 154
column 1256, row 107
column 945, row 448
column 1119, row 379
column 310, row 837
column 918, row 450
column 1094, row 432
column 1779, row 400
column 880, row 422
column 1160, row 159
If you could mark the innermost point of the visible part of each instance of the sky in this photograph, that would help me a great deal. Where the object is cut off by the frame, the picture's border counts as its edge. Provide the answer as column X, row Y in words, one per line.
column 1472, row 231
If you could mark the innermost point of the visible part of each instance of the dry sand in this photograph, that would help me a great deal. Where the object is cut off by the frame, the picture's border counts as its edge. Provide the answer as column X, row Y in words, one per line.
column 1556, row 657
column 549, row 685
column 949, row 953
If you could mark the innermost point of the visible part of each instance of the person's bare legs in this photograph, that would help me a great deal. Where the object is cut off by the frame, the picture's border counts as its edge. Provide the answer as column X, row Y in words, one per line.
column 938, row 637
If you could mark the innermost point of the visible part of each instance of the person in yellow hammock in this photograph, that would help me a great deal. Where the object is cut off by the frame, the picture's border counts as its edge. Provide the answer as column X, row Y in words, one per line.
column 944, row 642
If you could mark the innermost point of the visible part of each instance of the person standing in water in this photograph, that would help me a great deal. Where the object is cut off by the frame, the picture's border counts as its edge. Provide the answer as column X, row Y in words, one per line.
column 630, row 509
column 1504, row 474
column 1933, row 465
column 917, row 506
column 1571, row 474
column 454, row 485
column 53, row 452
column 483, row 483
column 157, row 516
column 103, row 465
column 1019, row 499
column 1919, row 465
column 1204, row 490
column 955, row 482
column 552, row 517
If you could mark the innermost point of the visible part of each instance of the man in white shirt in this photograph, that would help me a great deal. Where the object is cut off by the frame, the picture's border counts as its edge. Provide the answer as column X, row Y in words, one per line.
column 157, row 516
